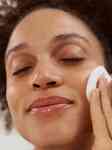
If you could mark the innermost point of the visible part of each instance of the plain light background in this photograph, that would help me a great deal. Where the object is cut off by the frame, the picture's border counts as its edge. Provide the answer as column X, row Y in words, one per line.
column 12, row 140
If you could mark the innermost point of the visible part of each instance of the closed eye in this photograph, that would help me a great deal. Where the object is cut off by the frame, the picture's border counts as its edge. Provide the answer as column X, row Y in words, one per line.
column 71, row 60
column 22, row 70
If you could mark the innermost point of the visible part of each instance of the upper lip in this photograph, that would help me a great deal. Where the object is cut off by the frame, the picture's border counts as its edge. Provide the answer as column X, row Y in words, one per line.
column 46, row 101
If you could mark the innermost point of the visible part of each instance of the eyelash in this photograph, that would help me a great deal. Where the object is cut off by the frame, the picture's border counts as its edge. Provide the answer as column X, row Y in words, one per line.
column 24, row 69
column 71, row 60
column 64, row 60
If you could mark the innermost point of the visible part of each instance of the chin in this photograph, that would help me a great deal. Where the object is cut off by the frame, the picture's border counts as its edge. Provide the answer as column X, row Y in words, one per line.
column 54, row 137
column 56, row 140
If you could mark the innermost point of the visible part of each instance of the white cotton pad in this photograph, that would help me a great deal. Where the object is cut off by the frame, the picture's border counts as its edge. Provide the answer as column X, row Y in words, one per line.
column 93, row 78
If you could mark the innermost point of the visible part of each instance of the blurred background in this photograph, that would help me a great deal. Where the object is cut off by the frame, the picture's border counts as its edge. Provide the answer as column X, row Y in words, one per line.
column 11, row 140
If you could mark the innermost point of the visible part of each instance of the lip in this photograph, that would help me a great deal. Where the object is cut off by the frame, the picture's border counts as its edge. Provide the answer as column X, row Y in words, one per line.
column 47, row 104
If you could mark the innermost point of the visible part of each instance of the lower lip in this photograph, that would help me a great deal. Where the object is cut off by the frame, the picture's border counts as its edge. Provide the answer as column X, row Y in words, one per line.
column 50, row 109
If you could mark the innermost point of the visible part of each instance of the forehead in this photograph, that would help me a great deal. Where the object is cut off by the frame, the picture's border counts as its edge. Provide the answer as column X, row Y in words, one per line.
column 41, row 26
column 40, row 16
column 43, row 21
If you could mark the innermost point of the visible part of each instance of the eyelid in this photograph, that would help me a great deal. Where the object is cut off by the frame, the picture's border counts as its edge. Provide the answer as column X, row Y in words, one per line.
column 20, row 57
column 72, row 54
column 65, row 44
column 21, row 70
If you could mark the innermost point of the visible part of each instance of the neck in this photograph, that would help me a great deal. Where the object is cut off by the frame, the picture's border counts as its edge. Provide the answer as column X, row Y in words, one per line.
column 85, row 142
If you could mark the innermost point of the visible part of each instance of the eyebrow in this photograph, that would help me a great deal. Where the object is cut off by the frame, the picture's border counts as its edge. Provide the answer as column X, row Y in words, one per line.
column 57, row 38
column 63, row 37
column 19, row 47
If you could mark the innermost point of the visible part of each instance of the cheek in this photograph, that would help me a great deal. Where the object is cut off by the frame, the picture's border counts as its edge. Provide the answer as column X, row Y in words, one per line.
column 77, row 81
column 14, row 97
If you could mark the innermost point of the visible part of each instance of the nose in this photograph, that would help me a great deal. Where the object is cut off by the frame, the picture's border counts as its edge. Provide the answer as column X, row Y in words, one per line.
column 46, row 79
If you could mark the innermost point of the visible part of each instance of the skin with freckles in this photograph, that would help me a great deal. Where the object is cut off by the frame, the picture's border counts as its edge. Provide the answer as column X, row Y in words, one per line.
column 56, row 52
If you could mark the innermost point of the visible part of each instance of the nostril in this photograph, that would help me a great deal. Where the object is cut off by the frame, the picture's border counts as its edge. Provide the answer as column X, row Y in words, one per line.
column 51, row 83
column 36, row 85
column 45, row 85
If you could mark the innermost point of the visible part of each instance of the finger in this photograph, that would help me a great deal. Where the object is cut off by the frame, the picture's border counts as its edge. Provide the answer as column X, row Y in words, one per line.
column 109, row 86
column 104, row 87
column 97, row 117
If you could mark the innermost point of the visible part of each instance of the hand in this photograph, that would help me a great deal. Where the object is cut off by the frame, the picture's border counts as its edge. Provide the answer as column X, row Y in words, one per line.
column 101, row 115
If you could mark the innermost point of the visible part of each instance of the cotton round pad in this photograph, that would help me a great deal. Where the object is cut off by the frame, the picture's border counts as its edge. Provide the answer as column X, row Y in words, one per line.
column 93, row 78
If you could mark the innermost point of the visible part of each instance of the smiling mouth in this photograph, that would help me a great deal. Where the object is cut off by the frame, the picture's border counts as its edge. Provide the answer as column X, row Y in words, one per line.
column 47, row 105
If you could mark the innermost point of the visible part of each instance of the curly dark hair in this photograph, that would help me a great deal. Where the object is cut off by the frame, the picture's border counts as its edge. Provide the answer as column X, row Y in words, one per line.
column 95, row 13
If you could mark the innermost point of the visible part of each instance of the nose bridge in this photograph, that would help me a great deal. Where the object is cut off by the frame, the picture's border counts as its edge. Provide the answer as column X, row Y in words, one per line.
column 46, row 68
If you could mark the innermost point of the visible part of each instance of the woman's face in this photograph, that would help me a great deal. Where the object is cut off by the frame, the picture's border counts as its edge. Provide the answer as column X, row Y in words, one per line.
column 49, row 57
